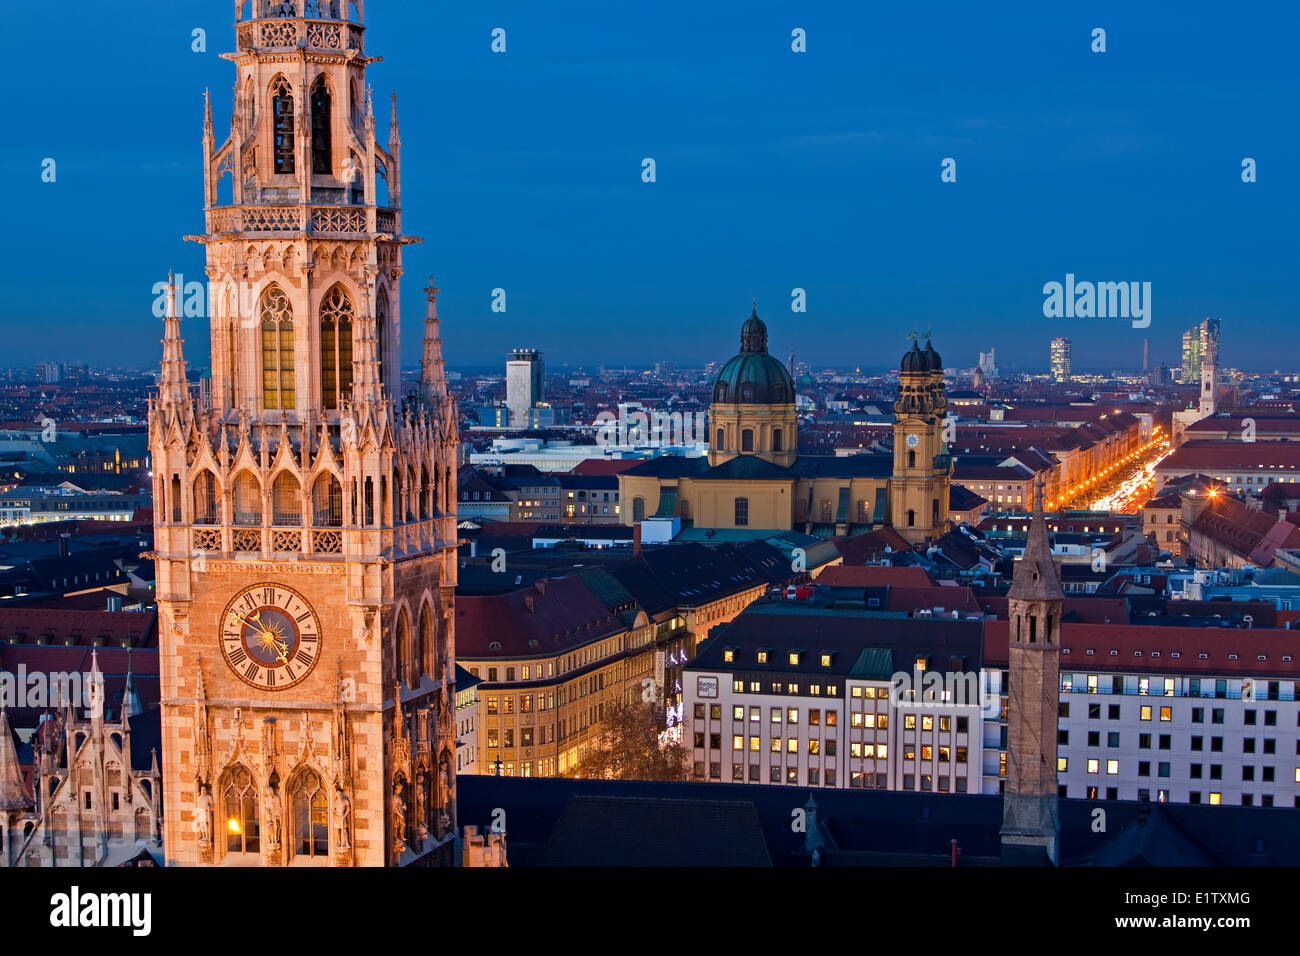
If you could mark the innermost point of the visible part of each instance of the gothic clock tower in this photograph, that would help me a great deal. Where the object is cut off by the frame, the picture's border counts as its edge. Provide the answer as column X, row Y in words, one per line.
column 304, row 508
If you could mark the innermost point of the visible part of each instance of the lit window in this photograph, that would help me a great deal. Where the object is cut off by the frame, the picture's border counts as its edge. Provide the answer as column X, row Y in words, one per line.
column 729, row 655
column 1166, row 713
column 737, row 742
column 792, row 715
column 826, row 660
column 794, row 658
column 1062, row 764
column 1216, row 799
column 1146, row 713
column 1112, row 767
column 1093, row 766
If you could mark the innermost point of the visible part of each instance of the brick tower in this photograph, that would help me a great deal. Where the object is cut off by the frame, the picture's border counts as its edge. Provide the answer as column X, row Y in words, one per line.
column 1029, row 804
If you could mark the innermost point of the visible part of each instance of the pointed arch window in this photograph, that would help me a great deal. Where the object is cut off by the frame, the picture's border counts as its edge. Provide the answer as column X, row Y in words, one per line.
column 381, row 327
column 320, row 127
column 282, row 116
column 239, row 813
column 402, row 650
column 277, row 350
column 327, row 502
column 310, row 816
column 426, row 654
column 336, row 346
column 286, row 501
column 205, row 498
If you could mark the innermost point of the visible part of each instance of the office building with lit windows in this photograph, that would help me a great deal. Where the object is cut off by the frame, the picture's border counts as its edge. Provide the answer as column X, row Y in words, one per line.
column 795, row 694
column 1060, row 359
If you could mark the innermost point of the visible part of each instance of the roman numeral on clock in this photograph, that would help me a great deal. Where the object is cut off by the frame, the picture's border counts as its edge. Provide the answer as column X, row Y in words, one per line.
column 270, row 677
column 251, row 672
column 303, row 658
column 237, row 657
column 268, row 596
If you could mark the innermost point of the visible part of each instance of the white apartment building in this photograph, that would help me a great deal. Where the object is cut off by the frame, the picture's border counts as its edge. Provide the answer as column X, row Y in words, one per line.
column 805, row 697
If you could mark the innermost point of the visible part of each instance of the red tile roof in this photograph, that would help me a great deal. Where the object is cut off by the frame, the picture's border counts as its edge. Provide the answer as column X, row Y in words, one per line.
column 603, row 466
column 547, row 618
column 1255, row 535
column 1157, row 645
column 1268, row 456
column 28, row 625
column 874, row 576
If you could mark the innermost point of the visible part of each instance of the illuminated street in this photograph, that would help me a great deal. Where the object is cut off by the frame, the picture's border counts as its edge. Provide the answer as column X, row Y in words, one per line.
column 1125, row 486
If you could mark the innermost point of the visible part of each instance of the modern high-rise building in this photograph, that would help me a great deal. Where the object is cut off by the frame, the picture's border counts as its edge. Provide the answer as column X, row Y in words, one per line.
column 988, row 365
column 305, row 525
column 1060, row 359
column 1200, row 343
column 525, row 384
column 1191, row 355
column 1209, row 332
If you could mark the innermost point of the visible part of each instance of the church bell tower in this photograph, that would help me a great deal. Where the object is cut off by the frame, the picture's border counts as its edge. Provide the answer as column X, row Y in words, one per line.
column 922, row 472
column 304, row 509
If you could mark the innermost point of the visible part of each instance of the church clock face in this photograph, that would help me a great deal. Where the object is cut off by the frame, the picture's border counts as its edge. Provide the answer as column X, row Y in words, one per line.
column 270, row 636
column 913, row 440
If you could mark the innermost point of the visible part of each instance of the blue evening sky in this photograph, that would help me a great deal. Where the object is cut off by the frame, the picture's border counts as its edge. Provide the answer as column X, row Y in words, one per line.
column 776, row 170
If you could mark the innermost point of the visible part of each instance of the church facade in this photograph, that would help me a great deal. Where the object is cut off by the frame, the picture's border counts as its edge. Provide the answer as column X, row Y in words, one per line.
column 304, row 511
column 754, row 476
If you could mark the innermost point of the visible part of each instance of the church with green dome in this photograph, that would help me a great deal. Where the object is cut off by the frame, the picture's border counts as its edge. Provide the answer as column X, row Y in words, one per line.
column 754, row 476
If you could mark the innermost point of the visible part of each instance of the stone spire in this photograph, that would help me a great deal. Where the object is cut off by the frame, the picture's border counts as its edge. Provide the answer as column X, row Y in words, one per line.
column 394, row 137
column 12, row 794
column 172, row 388
column 1036, row 577
column 433, row 374
column 130, row 696
column 366, row 386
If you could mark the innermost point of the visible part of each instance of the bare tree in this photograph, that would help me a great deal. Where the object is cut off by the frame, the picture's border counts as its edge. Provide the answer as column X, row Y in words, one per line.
column 627, row 747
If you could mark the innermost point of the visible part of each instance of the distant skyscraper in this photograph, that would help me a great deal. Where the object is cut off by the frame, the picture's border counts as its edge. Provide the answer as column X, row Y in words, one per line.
column 988, row 365
column 525, row 384
column 1200, row 344
column 1060, row 359
column 1191, row 355
column 50, row 372
column 1209, row 332
column 1146, row 356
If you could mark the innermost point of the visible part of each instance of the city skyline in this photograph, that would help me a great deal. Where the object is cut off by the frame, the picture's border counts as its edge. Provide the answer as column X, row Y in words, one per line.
column 801, row 178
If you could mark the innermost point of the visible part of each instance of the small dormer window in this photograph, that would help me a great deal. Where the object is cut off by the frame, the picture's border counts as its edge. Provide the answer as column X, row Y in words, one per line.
column 794, row 658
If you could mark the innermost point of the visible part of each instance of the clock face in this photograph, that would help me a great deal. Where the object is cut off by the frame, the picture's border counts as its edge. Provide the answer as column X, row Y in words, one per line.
column 270, row 636
column 913, row 441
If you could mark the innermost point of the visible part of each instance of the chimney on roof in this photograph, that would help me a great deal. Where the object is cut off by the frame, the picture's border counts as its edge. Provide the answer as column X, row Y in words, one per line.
column 636, row 539
column 530, row 603
column 63, row 544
